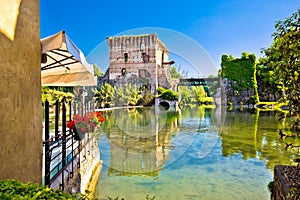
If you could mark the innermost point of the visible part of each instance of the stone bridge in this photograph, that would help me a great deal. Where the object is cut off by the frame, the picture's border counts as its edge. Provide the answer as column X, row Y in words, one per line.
column 166, row 103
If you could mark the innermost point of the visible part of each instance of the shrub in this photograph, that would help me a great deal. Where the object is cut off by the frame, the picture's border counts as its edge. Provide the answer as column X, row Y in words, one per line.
column 14, row 189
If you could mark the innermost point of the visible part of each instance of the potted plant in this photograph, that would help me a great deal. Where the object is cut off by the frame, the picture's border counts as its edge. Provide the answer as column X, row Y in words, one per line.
column 80, row 125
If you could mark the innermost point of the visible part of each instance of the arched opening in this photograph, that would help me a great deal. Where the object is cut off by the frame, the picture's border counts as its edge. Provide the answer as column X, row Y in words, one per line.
column 165, row 105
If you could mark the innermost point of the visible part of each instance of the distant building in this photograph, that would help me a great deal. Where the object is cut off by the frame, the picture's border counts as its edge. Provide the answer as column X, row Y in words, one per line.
column 138, row 59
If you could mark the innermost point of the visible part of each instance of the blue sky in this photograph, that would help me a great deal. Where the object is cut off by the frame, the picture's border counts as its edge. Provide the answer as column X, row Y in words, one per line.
column 218, row 26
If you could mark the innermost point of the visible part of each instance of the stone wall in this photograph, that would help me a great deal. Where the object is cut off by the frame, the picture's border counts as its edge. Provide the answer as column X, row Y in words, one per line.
column 138, row 59
column 20, row 92
column 286, row 182
column 236, row 98
column 90, row 164
column 85, row 175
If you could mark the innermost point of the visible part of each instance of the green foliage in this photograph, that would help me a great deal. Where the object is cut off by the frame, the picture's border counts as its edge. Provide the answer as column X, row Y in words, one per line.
column 282, row 60
column 241, row 72
column 175, row 73
column 103, row 97
column 187, row 96
column 167, row 94
column 149, row 197
column 214, row 86
column 199, row 92
column 97, row 70
column 194, row 95
column 53, row 95
column 13, row 189
column 147, row 99
column 207, row 100
column 128, row 95
column 268, row 90
column 117, row 198
column 160, row 90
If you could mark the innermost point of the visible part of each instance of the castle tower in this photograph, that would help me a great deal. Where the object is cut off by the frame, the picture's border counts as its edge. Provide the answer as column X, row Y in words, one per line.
column 139, row 60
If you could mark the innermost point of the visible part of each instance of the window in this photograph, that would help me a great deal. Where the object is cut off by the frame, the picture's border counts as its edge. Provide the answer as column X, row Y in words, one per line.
column 123, row 71
column 144, row 56
column 126, row 57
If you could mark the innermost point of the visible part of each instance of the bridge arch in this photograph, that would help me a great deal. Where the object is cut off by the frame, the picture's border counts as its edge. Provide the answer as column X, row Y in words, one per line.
column 164, row 104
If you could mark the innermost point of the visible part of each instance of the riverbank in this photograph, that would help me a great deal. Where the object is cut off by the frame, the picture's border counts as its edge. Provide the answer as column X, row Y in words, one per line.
column 116, row 108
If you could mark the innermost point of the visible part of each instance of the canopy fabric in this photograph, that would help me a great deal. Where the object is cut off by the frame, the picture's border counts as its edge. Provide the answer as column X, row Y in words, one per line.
column 63, row 64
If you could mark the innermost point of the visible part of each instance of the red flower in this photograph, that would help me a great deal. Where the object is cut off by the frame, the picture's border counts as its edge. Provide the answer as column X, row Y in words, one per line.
column 86, row 119
column 101, row 119
column 76, row 117
column 98, row 114
column 82, row 129
column 71, row 124
column 92, row 126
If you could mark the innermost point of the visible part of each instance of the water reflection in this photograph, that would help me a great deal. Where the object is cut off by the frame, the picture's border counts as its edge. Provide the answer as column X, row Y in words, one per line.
column 195, row 153
column 140, row 140
column 255, row 136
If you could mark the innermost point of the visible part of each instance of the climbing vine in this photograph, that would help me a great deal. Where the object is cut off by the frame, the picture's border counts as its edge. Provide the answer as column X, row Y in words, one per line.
column 241, row 72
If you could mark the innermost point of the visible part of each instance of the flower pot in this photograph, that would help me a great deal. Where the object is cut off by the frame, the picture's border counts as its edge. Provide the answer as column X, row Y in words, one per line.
column 78, row 134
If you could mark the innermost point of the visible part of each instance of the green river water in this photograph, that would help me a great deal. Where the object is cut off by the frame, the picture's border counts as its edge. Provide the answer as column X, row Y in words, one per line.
column 194, row 153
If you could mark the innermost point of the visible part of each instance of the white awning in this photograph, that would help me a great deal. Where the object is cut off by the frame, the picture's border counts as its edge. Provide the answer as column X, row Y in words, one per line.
column 63, row 64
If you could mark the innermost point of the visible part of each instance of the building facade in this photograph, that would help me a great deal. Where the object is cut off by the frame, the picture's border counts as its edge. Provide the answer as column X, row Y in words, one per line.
column 141, row 60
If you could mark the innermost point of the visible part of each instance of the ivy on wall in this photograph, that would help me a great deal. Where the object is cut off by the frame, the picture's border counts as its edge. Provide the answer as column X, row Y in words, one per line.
column 241, row 72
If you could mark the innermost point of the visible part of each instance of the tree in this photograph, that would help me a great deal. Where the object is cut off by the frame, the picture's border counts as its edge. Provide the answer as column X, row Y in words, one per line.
column 97, row 70
column 167, row 94
column 187, row 96
column 127, row 95
column 267, row 87
column 147, row 99
column 175, row 73
column 282, row 59
column 53, row 95
column 199, row 92
column 103, row 97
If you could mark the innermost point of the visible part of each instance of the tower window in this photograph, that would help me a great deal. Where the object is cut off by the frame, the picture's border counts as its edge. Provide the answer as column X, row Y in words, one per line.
column 126, row 57
column 123, row 71
column 145, row 57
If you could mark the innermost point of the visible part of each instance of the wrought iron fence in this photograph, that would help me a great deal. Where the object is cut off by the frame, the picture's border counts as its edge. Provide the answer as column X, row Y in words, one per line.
column 61, row 150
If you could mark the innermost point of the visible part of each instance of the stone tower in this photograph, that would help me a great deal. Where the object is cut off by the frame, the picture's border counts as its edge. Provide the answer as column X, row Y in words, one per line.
column 138, row 59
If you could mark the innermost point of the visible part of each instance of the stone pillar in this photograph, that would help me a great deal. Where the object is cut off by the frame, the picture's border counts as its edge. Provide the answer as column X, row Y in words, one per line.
column 20, row 93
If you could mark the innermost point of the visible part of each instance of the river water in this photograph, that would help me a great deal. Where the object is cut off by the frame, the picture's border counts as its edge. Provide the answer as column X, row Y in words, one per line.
column 195, row 153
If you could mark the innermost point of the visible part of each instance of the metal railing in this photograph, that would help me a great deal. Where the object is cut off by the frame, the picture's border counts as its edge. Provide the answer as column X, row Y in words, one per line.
column 61, row 150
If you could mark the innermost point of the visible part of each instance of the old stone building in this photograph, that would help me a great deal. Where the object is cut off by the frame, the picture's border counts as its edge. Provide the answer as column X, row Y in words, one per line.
column 138, row 59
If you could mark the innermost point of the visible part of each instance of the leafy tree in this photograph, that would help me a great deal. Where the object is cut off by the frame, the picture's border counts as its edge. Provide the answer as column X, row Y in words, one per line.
column 199, row 92
column 167, row 94
column 128, row 95
column 267, row 87
column 134, row 94
column 187, row 96
column 282, row 59
column 147, row 99
column 52, row 95
column 97, row 70
column 103, row 97
column 174, row 72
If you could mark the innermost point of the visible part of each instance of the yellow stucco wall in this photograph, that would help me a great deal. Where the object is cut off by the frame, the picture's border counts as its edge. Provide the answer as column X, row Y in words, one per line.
column 20, row 97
